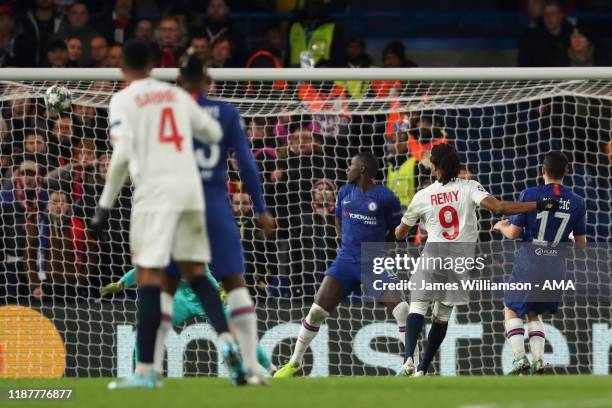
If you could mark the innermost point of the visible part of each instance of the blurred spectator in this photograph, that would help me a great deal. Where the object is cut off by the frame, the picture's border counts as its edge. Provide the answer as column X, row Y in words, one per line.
column 466, row 174
column 7, row 36
column 271, row 53
column 170, row 42
column 21, row 118
column 79, row 26
column 57, row 54
column 114, row 56
column 217, row 24
column 35, row 144
column 60, row 141
column 221, row 52
column 534, row 9
column 63, row 252
column 38, row 26
column 114, row 251
column 144, row 30
column 78, row 172
column 401, row 168
column 315, row 32
column 99, row 51
column 21, row 206
column 75, row 51
column 119, row 25
column 357, row 58
column 394, row 56
column 583, row 53
column 424, row 135
column 200, row 44
column 546, row 45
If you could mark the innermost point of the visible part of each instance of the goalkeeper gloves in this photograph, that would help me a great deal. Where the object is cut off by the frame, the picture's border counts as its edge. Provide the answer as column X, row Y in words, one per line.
column 547, row 205
column 111, row 288
column 99, row 222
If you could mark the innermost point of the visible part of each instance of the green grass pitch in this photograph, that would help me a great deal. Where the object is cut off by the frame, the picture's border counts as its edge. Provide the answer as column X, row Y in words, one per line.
column 340, row 392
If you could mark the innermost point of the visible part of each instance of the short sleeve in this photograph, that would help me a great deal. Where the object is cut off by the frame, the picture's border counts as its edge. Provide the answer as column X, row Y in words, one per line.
column 341, row 193
column 118, row 125
column 520, row 220
column 413, row 213
column 393, row 210
column 580, row 224
column 477, row 192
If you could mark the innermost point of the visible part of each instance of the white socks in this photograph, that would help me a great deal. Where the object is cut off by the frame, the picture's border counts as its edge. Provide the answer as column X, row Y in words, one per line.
column 310, row 328
column 244, row 324
column 166, row 301
column 516, row 336
column 537, row 339
column 400, row 313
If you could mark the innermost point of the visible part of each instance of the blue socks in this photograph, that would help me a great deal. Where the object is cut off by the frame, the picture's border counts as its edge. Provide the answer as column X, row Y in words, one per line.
column 436, row 336
column 414, row 325
column 149, row 318
column 211, row 303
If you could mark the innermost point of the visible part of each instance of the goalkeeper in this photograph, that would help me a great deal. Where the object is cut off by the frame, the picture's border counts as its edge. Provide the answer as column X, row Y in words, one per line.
column 186, row 305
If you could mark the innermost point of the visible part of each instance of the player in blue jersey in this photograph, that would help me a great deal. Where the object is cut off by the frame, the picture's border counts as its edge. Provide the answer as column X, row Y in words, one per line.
column 540, row 229
column 226, row 249
column 365, row 212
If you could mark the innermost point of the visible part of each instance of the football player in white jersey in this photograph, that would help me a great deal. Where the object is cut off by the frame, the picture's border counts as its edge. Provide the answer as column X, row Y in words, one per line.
column 447, row 208
column 151, row 128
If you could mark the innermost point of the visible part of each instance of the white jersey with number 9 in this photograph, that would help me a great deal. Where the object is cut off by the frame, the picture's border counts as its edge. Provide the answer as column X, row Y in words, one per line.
column 448, row 211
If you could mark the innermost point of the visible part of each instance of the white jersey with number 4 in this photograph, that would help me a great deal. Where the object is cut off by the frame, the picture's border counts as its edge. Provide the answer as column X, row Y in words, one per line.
column 151, row 126
column 448, row 211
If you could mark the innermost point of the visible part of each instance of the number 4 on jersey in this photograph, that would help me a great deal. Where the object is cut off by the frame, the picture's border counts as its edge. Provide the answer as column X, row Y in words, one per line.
column 172, row 135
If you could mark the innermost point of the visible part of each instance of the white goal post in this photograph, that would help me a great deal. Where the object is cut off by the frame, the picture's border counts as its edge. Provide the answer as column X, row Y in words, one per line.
column 303, row 125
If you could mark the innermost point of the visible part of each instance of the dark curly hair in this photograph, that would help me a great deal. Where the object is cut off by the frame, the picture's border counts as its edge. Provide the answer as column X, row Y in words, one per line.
column 446, row 159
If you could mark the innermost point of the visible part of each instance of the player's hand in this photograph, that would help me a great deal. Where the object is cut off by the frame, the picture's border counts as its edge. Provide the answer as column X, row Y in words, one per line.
column 99, row 222
column 501, row 224
column 547, row 205
column 266, row 223
column 111, row 288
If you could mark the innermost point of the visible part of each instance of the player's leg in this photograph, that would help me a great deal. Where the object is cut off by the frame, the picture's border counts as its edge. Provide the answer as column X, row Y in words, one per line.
column 150, row 241
column 327, row 298
column 414, row 326
column 515, row 333
column 537, row 341
column 399, row 309
column 169, row 283
column 243, row 319
column 440, row 316
column 191, row 250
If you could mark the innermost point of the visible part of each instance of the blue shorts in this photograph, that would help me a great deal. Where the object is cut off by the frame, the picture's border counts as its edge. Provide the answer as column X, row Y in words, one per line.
column 348, row 272
column 524, row 308
column 223, row 235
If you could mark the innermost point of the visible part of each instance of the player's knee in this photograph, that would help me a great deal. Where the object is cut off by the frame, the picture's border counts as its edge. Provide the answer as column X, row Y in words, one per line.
column 400, row 312
column 442, row 312
column 419, row 308
column 317, row 315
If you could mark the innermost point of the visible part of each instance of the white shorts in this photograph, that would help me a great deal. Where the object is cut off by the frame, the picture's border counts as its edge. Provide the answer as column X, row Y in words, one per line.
column 156, row 237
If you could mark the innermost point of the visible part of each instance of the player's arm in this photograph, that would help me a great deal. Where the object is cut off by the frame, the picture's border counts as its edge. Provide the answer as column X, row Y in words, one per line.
column 508, row 230
column 205, row 128
column 409, row 219
column 118, row 166
column 512, row 207
column 393, row 215
column 127, row 281
column 579, row 230
column 250, row 174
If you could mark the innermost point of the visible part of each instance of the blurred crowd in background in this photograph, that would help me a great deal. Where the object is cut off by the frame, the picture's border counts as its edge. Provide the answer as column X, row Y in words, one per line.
column 53, row 166
column 279, row 33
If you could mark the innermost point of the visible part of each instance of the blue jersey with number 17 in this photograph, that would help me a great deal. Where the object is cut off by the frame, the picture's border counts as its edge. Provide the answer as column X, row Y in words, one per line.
column 547, row 226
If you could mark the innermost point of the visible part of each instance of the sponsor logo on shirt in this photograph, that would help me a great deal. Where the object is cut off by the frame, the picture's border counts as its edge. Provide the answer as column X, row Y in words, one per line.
column 365, row 219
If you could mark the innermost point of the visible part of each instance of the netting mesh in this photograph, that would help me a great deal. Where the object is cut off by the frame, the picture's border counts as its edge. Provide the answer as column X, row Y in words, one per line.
column 302, row 135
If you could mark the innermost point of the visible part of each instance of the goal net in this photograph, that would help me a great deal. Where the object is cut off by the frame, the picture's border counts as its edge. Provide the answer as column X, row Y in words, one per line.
column 303, row 127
